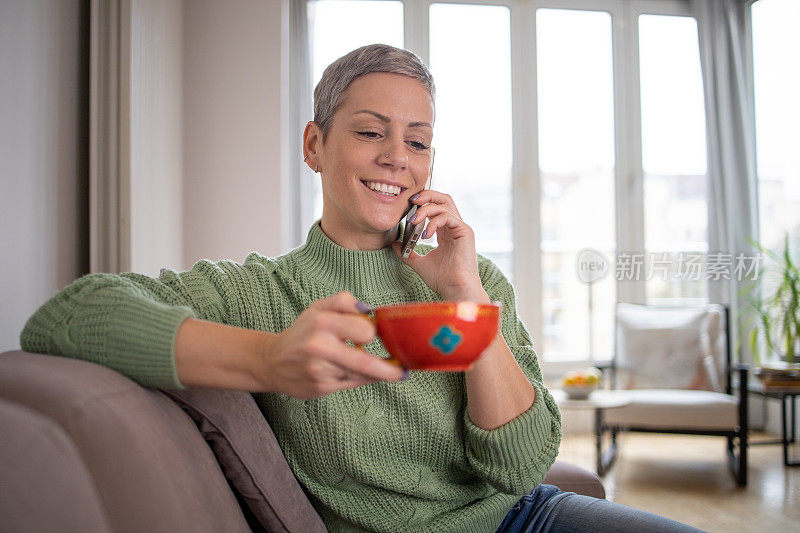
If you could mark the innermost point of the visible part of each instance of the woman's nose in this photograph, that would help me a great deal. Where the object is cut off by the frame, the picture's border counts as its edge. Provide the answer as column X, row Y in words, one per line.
column 394, row 154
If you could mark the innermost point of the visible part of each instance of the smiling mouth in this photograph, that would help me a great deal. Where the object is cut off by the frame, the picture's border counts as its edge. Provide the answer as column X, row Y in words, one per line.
column 383, row 188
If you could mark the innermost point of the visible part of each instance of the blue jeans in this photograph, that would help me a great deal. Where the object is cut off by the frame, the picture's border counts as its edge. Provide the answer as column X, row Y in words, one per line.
column 548, row 509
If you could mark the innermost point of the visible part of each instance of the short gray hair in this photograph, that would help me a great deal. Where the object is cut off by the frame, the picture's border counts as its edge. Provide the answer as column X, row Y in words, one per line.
column 338, row 76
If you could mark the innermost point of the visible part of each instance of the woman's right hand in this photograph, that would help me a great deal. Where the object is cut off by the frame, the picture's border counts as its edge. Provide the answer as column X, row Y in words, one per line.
column 310, row 359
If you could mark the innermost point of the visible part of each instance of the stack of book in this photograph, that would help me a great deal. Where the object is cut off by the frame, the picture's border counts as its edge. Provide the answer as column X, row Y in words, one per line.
column 779, row 375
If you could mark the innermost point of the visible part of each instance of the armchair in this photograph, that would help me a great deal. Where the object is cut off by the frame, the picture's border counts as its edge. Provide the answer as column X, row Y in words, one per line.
column 675, row 364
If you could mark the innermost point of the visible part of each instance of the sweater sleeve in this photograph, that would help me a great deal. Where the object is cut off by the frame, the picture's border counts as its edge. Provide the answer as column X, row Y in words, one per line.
column 515, row 457
column 128, row 322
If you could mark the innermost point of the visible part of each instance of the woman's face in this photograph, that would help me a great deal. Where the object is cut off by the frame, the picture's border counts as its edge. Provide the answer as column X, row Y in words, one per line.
column 377, row 154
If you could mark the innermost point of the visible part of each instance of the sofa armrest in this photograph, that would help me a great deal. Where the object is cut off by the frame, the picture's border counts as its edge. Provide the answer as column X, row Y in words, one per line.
column 571, row 478
column 151, row 467
column 45, row 484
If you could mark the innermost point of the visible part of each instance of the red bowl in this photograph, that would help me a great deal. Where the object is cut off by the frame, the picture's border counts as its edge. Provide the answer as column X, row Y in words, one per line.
column 447, row 336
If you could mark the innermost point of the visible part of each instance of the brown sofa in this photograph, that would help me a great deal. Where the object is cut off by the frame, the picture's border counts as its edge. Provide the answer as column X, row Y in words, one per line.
column 83, row 448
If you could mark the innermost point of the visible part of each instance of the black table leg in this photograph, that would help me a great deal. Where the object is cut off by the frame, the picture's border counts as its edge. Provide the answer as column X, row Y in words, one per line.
column 603, row 460
column 598, row 443
column 786, row 439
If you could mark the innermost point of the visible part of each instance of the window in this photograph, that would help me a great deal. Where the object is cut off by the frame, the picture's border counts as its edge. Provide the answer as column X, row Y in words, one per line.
column 646, row 213
column 473, row 120
column 673, row 158
column 575, row 89
column 777, row 86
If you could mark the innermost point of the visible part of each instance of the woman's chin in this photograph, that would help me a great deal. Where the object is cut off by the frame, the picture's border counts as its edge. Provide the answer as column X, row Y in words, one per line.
column 384, row 223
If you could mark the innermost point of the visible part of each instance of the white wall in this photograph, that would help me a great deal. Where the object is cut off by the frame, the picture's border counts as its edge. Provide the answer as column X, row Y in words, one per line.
column 232, row 129
column 43, row 155
column 156, row 174
column 774, row 420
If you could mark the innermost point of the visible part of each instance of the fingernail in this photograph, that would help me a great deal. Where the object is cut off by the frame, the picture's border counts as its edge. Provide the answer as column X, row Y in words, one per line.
column 425, row 234
column 363, row 307
column 405, row 376
column 414, row 217
column 415, row 197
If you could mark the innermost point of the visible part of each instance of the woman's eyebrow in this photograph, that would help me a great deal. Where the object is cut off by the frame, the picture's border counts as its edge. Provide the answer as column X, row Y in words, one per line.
column 386, row 120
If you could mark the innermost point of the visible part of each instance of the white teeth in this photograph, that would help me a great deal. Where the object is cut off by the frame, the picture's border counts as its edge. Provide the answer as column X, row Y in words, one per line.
column 384, row 188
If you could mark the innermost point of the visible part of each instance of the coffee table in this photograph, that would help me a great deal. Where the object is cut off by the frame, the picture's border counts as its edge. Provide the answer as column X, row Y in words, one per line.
column 599, row 400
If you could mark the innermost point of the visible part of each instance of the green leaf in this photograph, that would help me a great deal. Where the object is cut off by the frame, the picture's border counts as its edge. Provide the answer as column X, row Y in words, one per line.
column 774, row 302
column 786, row 255
column 754, row 346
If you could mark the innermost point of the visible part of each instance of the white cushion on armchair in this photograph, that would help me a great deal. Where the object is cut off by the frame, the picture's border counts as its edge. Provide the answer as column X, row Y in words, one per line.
column 673, row 409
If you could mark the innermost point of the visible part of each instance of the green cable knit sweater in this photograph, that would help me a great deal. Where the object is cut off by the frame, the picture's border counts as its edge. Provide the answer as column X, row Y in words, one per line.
column 390, row 456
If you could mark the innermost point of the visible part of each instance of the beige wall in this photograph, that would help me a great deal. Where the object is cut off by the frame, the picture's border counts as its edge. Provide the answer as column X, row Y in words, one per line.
column 205, row 173
column 43, row 154
column 232, row 132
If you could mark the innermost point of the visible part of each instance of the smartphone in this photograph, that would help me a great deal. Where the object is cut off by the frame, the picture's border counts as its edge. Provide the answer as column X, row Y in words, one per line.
column 412, row 233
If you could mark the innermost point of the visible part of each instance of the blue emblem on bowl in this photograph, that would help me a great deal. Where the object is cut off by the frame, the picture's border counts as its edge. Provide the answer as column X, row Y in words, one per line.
column 446, row 339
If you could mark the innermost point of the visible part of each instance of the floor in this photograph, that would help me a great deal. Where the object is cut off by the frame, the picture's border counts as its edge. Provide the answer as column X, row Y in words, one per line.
column 686, row 478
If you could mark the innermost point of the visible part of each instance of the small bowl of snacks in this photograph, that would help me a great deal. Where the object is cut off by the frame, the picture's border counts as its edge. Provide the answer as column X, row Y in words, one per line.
column 579, row 384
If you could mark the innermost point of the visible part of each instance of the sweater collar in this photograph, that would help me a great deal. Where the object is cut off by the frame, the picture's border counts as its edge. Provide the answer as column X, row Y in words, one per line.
column 361, row 272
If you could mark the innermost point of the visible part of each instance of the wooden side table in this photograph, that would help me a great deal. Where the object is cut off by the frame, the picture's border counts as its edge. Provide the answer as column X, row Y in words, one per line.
column 786, row 395
column 598, row 400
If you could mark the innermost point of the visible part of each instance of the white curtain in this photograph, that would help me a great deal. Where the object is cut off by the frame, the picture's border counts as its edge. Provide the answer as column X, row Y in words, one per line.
column 733, row 210
column 109, row 132
column 300, row 179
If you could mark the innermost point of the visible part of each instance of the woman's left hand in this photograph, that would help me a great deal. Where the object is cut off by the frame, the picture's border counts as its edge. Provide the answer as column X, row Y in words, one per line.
column 450, row 269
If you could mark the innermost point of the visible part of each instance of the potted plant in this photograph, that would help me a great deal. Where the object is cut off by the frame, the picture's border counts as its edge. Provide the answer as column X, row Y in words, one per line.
column 774, row 318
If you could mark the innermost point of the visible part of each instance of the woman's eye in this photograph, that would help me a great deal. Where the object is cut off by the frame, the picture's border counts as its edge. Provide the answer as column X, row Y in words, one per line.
column 369, row 134
column 416, row 145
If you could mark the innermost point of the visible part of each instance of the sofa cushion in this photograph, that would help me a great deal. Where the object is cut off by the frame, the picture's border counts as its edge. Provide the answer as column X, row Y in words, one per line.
column 44, row 484
column 152, row 470
column 250, row 456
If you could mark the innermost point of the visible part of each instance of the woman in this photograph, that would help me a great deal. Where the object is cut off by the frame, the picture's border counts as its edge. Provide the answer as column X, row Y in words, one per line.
column 375, row 447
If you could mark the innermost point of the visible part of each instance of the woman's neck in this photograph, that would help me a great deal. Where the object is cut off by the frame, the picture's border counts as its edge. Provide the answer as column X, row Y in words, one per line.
column 371, row 274
column 355, row 239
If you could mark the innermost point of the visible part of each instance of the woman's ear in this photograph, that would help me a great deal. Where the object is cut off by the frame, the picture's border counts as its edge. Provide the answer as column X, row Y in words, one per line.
column 312, row 142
